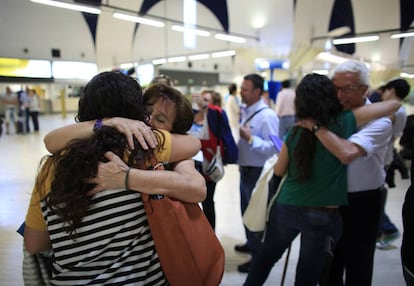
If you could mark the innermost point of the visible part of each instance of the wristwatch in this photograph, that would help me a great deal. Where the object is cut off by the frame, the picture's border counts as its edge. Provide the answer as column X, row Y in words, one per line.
column 315, row 127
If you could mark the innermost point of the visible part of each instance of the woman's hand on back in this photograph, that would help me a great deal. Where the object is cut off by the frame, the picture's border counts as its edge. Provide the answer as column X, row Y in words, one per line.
column 307, row 123
column 58, row 138
column 133, row 128
column 110, row 176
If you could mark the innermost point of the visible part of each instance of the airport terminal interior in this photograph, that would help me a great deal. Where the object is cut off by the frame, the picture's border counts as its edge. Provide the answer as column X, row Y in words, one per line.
column 21, row 155
column 199, row 44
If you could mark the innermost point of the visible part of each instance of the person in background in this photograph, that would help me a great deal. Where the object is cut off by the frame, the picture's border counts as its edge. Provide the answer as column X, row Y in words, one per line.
column 210, row 123
column 232, row 107
column 11, row 105
column 315, row 184
column 397, row 161
column 285, row 108
column 215, row 99
column 162, row 78
column 33, row 109
column 376, row 95
column 65, row 216
column 354, row 253
column 23, row 118
column 407, row 246
column 258, row 121
column 24, row 111
column 396, row 89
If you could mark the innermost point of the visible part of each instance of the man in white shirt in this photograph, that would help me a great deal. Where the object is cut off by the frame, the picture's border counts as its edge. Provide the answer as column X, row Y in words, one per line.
column 354, row 253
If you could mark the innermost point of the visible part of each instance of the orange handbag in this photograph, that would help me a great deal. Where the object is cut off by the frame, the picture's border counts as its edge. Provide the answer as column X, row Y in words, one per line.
column 189, row 250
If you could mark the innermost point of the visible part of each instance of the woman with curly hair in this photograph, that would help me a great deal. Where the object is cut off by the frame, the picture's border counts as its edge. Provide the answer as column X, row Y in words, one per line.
column 101, row 238
column 315, row 184
column 169, row 110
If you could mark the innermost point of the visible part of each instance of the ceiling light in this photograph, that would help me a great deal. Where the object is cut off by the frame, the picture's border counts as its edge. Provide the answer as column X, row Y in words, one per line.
column 198, row 57
column 258, row 21
column 190, row 30
column 343, row 41
column 330, row 58
column 229, row 38
column 406, row 75
column 223, row 54
column 159, row 61
column 177, row 59
column 70, row 6
column 262, row 64
column 126, row 66
column 402, row 35
column 137, row 19
column 321, row 72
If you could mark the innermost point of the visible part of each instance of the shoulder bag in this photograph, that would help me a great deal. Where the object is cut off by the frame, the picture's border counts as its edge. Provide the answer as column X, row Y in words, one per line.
column 189, row 250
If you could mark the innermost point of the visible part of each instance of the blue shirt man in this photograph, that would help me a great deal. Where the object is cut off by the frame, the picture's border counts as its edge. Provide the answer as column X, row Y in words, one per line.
column 258, row 121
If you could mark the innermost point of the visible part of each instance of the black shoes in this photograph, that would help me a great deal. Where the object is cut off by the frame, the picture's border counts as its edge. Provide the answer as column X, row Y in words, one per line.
column 243, row 248
column 244, row 268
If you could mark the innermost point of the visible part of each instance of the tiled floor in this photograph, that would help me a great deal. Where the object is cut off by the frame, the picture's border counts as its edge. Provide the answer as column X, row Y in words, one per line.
column 20, row 155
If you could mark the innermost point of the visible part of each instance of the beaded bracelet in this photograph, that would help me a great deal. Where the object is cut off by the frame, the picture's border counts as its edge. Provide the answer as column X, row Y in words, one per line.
column 98, row 124
column 127, row 179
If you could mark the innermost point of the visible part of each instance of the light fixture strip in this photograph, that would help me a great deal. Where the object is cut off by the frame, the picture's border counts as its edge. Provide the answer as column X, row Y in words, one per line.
column 223, row 54
column 406, row 75
column 321, row 71
column 330, row 58
column 177, row 59
column 126, row 66
column 70, row 6
column 159, row 61
column 353, row 40
column 230, row 38
column 199, row 57
column 195, row 31
column 136, row 19
column 402, row 35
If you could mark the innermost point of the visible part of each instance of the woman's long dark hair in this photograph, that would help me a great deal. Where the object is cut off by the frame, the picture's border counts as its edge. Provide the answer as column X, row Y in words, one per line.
column 106, row 95
column 315, row 98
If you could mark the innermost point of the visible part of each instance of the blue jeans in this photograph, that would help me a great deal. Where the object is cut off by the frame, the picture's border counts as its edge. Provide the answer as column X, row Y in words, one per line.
column 320, row 229
column 248, row 179
column 285, row 123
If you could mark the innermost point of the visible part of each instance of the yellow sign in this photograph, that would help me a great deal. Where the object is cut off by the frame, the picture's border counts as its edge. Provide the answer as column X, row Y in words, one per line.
column 25, row 68
column 12, row 67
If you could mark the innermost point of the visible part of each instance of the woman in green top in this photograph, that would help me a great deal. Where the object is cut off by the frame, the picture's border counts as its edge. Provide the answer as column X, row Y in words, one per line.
column 315, row 183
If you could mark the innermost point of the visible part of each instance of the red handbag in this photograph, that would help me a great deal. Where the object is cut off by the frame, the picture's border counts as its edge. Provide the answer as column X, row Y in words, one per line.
column 189, row 250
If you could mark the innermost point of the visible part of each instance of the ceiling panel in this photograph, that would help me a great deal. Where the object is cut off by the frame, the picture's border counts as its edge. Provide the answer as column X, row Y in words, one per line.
column 282, row 30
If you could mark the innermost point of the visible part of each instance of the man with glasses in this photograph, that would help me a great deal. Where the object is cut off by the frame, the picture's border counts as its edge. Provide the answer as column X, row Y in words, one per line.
column 354, row 252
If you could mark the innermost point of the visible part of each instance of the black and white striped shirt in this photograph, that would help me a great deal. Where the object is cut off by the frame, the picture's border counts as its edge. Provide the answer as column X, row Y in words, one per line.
column 113, row 246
